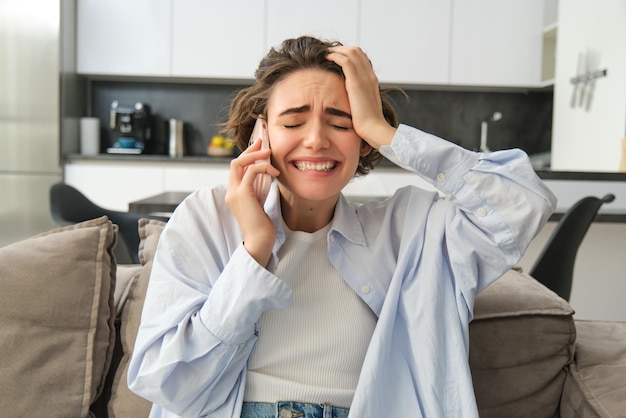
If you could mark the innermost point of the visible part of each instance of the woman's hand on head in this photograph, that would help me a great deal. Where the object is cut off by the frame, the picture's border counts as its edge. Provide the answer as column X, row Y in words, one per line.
column 257, row 228
column 364, row 95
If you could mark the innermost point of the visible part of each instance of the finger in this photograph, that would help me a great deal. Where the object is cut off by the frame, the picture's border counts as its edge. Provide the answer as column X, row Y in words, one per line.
column 350, row 57
column 254, row 145
column 254, row 170
column 239, row 165
column 260, row 167
column 244, row 170
column 356, row 66
column 250, row 156
column 241, row 191
column 362, row 88
column 347, row 50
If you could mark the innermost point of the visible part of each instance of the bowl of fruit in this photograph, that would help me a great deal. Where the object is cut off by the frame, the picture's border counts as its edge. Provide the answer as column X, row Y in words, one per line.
column 221, row 146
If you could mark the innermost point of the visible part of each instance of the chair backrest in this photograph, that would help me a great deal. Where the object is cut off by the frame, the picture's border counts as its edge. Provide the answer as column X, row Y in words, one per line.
column 69, row 206
column 555, row 264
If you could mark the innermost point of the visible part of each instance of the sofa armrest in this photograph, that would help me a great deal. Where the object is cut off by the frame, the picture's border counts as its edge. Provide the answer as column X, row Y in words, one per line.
column 521, row 341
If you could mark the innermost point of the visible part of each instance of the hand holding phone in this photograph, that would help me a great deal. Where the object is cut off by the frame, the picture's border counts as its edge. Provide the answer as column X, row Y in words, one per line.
column 263, row 181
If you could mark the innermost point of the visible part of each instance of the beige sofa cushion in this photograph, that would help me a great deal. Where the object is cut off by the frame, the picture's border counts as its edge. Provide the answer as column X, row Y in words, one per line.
column 56, row 320
column 127, row 275
column 521, row 340
column 595, row 384
column 124, row 403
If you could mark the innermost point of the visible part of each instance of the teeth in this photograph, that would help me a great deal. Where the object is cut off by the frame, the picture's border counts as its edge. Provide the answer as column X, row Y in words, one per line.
column 306, row 166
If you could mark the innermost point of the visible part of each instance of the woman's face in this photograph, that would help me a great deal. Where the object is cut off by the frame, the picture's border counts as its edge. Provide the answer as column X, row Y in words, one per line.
column 314, row 145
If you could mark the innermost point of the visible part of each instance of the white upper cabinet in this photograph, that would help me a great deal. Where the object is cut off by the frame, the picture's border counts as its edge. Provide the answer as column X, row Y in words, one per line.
column 420, row 42
column 496, row 42
column 326, row 19
column 407, row 41
column 217, row 39
column 120, row 37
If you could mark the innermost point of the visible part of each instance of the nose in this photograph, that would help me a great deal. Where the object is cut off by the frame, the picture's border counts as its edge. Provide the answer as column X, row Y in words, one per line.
column 316, row 137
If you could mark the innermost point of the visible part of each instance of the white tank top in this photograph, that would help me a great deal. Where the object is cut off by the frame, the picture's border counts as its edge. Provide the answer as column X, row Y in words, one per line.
column 313, row 350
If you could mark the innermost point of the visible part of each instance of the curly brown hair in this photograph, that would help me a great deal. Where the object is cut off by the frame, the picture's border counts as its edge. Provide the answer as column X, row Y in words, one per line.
column 294, row 54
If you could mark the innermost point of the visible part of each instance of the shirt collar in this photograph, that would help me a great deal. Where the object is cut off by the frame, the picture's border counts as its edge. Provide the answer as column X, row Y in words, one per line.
column 345, row 220
column 347, row 223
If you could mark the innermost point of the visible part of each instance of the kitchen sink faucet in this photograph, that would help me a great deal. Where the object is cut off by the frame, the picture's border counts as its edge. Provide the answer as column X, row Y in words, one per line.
column 483, row 130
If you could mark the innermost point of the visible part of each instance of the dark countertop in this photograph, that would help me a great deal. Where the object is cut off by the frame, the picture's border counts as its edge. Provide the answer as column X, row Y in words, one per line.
column 581, row 175
column 605, row 216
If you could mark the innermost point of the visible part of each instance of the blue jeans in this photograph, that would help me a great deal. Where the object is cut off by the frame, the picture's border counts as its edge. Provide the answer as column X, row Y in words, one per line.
column 291, row 410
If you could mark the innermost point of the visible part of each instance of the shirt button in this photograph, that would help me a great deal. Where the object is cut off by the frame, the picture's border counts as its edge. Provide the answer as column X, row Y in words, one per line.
column 332, row 238
column 365, row 289
column 481, row 212
column 441, row 177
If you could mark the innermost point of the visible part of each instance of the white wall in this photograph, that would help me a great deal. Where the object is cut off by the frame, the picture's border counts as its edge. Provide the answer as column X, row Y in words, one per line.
column 590, row 140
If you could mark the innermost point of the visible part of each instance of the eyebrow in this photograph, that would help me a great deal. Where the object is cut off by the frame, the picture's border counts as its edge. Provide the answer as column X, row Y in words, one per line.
column 303, row 109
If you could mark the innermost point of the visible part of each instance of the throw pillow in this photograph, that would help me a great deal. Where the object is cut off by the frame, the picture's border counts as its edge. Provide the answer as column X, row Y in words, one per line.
column 56, row 320
column 124, row 403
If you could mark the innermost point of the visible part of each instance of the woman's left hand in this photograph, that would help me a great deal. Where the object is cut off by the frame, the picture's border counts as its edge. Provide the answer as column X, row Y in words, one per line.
column 364, row 95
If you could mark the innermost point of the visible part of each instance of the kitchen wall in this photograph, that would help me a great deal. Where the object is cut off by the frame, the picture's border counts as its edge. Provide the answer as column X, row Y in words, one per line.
column 454, row 115
column 201, row 106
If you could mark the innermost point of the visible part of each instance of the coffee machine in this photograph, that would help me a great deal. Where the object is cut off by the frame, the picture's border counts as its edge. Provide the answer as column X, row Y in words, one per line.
column 131, row 128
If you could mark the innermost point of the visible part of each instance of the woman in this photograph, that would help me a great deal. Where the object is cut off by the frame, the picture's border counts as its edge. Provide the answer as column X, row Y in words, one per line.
column 315, row 305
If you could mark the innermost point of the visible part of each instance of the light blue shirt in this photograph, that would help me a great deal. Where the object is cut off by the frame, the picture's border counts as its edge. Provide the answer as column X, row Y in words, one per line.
column 417, row 259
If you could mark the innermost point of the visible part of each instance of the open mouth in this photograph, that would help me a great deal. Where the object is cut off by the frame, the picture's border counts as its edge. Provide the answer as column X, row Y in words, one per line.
column 315, row 166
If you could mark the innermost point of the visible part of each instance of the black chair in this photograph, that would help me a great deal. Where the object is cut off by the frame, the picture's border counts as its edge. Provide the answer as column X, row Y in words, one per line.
column 69, row 206
column 555, row 264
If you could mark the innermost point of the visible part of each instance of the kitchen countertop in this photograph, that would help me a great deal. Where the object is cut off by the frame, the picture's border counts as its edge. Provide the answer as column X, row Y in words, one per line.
column 191, row 159
column 201, row 159
column 568, row 186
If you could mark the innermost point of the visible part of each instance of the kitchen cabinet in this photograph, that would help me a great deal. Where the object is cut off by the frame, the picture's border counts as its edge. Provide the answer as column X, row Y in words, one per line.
column 548, row 58
column 478, row 42
column 113, row 183
column 327, row 19
column 408, row 42
column 119, row 37
column 214, row 39
column 549, row 41
column 496, row 43
column 423, row 42
column 182, row 38
column 182, row 177
column 589, row 118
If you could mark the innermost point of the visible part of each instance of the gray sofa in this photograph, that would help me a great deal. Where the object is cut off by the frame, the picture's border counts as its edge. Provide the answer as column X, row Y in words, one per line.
column 68, row 318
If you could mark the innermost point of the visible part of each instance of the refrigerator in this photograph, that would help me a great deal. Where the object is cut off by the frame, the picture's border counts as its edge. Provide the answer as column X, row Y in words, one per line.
column 32, row 107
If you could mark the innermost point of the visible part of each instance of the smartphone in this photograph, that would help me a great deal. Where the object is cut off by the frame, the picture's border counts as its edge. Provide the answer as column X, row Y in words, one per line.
column 263, row 181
